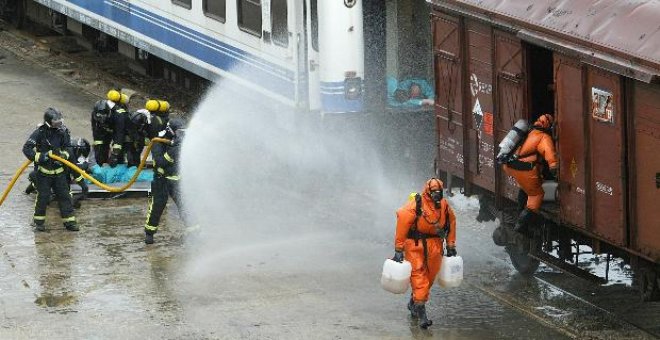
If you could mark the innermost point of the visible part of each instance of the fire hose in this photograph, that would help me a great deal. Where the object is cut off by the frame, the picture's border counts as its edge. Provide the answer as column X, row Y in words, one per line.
column 103, row 186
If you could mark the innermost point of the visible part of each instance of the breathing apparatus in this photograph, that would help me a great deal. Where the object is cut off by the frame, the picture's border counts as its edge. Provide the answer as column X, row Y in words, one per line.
column 436, row 195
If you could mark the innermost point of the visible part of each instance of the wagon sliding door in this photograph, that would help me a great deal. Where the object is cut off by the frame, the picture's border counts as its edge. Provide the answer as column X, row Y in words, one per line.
column 606, row 119
column 511, row 86
column 448, row 107
column 479, row 150
column 571, row 137
column 646, row 171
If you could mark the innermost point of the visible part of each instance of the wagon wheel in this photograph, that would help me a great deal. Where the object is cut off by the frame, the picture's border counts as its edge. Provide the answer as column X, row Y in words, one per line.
column 519, row 255
column 649, row 288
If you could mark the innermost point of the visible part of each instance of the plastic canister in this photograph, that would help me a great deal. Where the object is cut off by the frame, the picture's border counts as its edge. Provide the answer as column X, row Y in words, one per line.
column 451, row 272
column 396, row 276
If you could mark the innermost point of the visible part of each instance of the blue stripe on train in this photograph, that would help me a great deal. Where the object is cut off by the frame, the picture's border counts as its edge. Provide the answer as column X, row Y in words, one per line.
column 197, row 45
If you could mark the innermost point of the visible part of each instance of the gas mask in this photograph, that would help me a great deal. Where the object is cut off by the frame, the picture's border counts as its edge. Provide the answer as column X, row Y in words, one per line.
column 436, row 197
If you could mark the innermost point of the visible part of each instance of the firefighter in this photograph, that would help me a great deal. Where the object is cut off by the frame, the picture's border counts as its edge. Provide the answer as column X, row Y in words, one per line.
column 137, row 131
column 527, row 168
column 166, row 177
column 51, row 138
column 80, row 149
column 421, row 226
column 108, row 128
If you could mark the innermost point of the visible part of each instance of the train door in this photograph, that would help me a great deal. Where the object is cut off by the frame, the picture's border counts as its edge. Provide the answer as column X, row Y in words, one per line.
column 571, row 140
column 511, row 89
column 449, row 104
column 606, row 121
column 313, row 76
column 480, row 153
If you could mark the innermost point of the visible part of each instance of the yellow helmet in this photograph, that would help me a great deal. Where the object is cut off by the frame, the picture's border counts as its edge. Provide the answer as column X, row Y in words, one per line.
column 114, row 95
column 163, row 106
column 124, row 99
column 152, row 105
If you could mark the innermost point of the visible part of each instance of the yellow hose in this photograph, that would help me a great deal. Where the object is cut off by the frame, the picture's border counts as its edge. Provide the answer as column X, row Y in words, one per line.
column 86, row 175
column 13, row 180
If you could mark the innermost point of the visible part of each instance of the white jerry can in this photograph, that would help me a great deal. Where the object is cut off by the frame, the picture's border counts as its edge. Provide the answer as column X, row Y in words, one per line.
column 451, row 272
column 396, row 276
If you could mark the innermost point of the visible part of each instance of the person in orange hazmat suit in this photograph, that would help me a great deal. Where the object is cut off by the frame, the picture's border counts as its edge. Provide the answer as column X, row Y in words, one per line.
column 422, row 224
column 527, row 168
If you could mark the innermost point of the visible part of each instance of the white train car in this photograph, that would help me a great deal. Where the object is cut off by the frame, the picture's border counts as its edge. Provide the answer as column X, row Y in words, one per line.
column 308, row 54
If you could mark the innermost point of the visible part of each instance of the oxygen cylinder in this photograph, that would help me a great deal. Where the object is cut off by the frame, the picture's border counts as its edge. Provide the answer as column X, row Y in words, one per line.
column 508, row 145
column 396, row 276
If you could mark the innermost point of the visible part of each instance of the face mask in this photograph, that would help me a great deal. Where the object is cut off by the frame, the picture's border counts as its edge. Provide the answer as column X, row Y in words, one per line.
column 436, row 196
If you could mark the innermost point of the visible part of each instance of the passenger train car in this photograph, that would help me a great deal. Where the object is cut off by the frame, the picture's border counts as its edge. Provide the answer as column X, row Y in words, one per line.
column 307, row 54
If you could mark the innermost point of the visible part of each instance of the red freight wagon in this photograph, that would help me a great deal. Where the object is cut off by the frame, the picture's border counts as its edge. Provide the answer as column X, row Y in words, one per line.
column 595, row 65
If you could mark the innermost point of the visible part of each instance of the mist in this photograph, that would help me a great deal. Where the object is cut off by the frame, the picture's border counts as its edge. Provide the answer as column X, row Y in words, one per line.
column 273, row 187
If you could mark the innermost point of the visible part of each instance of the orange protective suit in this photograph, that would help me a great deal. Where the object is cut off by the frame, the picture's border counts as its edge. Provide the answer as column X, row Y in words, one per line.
column 432, row 218
column 537, row 144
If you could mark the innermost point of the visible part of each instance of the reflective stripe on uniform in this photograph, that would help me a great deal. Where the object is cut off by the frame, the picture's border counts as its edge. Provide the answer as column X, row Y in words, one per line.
column 51, row 172
column 69, row 219
column 98, row 142
column 39, row 218
column 79, row 178
column 173, row 178
column 150, row 227
column 65, row 154
column 117, row 146
column 36, row 157
column 168, row 158
column 161, row 171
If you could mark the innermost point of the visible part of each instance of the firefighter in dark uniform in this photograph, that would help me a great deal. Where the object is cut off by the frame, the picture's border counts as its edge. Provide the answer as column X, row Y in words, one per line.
column 80, row 149
column 108, row 129
column 166, row 177
column 137, row 131
column 51, row 138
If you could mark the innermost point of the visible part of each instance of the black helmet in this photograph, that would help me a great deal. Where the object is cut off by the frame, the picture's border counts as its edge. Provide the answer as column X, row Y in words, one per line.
column 139, row 118
column 81, row 147
column 175, row 126
column 53, row 118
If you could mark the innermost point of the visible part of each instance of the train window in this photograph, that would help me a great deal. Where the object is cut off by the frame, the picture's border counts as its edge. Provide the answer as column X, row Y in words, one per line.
column 215, row 9
column 183, row 3
column 278, row 18
column 249, row 16
column 315, row 25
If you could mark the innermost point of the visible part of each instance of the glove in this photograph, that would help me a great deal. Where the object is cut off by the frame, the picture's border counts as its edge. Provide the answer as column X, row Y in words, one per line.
column 43, row 158
column 398, row 256
column 451, row 251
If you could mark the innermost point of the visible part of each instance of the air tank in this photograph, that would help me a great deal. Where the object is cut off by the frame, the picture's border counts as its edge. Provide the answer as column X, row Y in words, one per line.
column 517, row 133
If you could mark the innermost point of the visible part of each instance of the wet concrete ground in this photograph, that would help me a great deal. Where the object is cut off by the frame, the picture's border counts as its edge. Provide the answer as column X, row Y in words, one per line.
column 105, row 283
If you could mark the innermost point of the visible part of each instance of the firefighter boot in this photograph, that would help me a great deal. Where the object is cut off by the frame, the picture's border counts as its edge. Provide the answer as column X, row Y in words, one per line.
column 71, row 226
column 30, row 189
column 526, row 218
column 40, row 225
column 148, row 238
column 420, row 310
